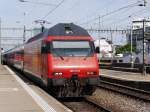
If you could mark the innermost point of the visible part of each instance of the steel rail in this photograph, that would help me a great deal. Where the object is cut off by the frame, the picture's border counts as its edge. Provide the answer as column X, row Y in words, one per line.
column 129, row 91
column 105, row 109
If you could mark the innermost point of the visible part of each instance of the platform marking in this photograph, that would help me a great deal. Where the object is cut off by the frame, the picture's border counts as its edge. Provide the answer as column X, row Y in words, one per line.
column 41, row 102
column 122, row 78
column 115, row 77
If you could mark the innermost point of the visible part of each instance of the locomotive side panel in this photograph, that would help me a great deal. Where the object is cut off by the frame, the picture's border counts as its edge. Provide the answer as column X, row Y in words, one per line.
column 32, row 58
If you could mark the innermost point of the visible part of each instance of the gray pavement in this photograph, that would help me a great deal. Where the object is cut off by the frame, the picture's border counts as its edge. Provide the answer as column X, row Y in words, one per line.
column 125, row 75
column 17, row 95
column 13, row 98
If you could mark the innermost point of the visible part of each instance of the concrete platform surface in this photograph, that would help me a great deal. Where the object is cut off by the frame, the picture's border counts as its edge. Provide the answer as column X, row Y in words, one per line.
column 125, row 75
column 14, row 97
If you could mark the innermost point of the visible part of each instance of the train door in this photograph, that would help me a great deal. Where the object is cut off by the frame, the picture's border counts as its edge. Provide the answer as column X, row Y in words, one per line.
column 44, row 64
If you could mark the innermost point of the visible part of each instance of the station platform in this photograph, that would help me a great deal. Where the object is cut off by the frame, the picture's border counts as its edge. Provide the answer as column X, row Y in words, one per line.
column 131, row 79
column 17, row 96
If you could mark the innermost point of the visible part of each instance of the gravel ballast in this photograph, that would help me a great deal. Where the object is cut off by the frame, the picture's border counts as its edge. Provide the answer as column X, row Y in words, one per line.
column 117, row 102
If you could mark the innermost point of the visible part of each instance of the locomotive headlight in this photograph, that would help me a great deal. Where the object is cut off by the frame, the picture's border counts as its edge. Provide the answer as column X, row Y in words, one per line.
column 57, row 73
column 91, row 73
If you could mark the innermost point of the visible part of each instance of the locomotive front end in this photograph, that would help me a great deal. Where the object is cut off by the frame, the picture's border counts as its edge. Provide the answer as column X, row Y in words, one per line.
column 74, row 68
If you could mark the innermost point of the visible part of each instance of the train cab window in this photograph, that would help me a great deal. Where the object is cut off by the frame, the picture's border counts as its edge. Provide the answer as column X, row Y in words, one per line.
column 45, row 47
column 97, row 50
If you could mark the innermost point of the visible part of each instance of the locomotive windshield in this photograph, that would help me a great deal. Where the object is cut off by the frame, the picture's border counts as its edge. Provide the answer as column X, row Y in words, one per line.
column 72, row 48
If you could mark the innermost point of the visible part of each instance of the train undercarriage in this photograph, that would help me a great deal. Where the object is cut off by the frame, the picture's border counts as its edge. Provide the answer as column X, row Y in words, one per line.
column 74, row 87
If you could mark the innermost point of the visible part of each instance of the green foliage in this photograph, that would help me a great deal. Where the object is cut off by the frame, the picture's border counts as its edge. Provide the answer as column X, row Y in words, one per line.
column 124, row 49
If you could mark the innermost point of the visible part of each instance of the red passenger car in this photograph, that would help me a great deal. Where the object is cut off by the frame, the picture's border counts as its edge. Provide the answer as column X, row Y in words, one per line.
column 63, row 58
column 14, row 57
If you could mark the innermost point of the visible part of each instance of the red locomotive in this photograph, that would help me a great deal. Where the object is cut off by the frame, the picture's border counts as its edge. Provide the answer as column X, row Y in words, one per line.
column 62, row 58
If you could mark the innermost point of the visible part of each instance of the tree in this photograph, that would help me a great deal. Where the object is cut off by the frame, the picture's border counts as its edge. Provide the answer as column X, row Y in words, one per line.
column 124, row 49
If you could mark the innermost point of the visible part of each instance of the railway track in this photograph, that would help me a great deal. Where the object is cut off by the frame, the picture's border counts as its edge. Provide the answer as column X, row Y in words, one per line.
column 75, row 104
column 84, row 105
column 90, row 105
column 103, row 109
column 133, row 92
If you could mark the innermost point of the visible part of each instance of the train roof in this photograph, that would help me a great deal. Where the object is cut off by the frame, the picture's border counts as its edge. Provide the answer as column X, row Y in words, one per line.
column 62, row 29
column 17, row 48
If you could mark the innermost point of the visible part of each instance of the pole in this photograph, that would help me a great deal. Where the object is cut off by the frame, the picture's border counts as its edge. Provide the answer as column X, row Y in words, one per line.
column 0, row 41
column 131, row 48
column 145, row 3
column 24, row 28
column 144, row 70
column 42, row 28
column 24, row 34
column 99, row 26
column 99, row 39
column 112, row 57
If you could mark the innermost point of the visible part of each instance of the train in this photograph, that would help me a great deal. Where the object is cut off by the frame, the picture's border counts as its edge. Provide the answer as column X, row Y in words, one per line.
column 106, row 51
column 62, row 58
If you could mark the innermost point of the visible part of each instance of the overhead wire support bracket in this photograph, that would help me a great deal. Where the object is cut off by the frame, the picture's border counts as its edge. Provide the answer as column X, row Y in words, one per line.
column 39, row 3
column 42, row 23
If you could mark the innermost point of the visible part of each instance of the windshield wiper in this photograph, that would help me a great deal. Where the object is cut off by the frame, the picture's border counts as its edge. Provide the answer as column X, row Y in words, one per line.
column 61, row 57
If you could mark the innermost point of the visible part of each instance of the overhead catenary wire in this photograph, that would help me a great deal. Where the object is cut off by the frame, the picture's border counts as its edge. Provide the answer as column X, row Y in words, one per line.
column 112, row 12
column 133, row 14
column 143, row 11
column 38, row 3
column 53, row 10
column 110, row 20
column 126, row 18
column 74, row 5
column 104, row 6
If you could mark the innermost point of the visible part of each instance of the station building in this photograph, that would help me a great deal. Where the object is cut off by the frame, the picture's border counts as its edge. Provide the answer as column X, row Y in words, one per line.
column 137, row 33
column 137, row 41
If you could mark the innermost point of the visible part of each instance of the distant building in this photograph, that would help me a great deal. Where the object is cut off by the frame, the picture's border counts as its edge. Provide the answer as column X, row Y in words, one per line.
column 137, row 31
column 138, row 23
column 137, row 41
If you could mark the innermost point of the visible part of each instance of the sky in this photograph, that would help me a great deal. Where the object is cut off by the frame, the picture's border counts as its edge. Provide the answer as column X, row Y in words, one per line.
column 77, row 11
column 14, row 13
